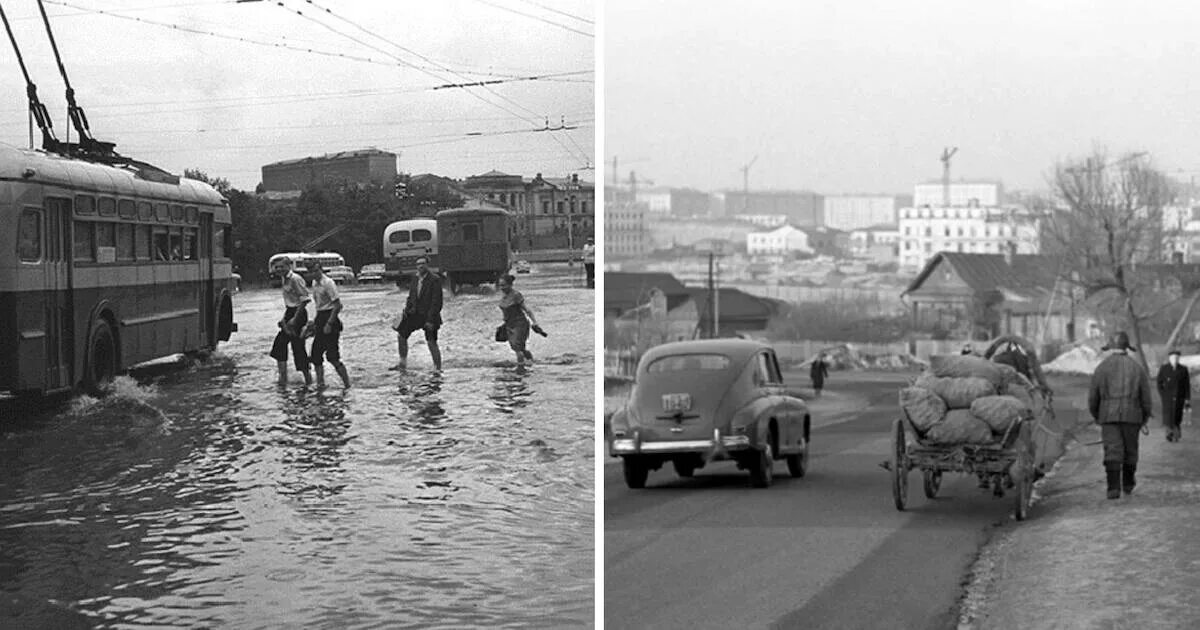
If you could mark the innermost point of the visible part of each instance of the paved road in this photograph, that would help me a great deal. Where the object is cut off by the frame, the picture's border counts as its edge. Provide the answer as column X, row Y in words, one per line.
column 826, row 551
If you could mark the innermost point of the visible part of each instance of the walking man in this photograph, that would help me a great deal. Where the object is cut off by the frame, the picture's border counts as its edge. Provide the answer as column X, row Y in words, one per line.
column 1119, row 401
column 589, row 261
column 328, row 326
column 291, row 326
column 1175, row 387
column 422, row 311
column 817, row 373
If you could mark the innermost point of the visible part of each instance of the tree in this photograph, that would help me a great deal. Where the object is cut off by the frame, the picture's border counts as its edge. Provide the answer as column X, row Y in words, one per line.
column 220, row 183
column 1106, row 220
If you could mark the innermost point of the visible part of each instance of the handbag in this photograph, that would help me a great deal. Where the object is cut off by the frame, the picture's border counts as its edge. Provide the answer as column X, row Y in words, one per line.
column 501, row 333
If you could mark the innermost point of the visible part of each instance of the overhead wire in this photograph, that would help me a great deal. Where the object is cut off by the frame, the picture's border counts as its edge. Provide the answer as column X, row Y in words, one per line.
column 553, row 10
column 535, row 17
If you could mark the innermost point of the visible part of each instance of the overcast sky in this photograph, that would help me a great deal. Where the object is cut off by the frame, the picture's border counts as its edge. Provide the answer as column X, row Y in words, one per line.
column 850, row 96
column 173, row 83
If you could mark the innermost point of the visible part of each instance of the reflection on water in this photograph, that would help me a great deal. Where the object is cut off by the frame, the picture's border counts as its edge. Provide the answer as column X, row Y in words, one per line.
column 213, row 498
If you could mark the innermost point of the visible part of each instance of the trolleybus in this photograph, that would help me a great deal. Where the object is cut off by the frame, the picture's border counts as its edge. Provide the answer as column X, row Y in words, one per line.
column 406, row 241
column 104, row 267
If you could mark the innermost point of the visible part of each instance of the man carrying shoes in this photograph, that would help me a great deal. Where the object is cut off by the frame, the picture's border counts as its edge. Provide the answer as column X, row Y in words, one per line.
column 1120, row 402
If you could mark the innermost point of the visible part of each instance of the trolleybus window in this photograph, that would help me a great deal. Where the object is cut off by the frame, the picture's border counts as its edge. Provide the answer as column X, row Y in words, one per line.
column 106, row 242
column 85, row 204
column 400, row 236
column 107, row 206
column 83, row 241
column 189, row 243
column 220, row 246
column 191, row 214
column 176, row 212
column 29, row 236
column 125, row 241
column 141, row 241
column 161, row 245
column 161, row 213
column 419, row 235
column 145, row 211
column 126, row 209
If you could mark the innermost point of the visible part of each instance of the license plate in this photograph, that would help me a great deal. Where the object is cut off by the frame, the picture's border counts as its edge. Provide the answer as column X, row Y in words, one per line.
column 676, row 402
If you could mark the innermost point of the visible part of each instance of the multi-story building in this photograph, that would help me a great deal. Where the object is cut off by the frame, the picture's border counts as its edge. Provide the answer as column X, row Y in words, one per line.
column 962, row 193
column 782, row 241
column 625, row 235
column 657, row 200
column 548, row 212
column 687, row 202
column 854, row 212
column 802, row 208
column 354, row 167
column 924, row 231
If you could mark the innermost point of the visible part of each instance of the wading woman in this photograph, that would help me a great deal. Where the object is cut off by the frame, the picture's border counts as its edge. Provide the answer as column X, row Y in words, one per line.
column 518, row 319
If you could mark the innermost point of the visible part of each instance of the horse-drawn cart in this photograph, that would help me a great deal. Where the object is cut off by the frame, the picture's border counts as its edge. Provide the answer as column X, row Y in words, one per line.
column 1007, row 464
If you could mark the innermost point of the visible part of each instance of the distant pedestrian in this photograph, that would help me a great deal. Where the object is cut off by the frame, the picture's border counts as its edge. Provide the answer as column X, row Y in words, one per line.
column 518, row 318
column 422, row 311
column 1014, row 356
column 589, row 261
column 1119, row 401
column 967, row 350
column 327, row 326
column 818, row 372
column 291, row 326
column 1175, row 388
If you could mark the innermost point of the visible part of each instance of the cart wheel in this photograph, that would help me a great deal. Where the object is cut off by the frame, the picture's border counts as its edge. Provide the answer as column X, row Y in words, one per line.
column 899, row 465
column 933, row 483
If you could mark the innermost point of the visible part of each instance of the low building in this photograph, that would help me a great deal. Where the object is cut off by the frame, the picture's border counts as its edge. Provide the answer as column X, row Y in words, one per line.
column 782, row 241
column 827, row 241
column 548, row 212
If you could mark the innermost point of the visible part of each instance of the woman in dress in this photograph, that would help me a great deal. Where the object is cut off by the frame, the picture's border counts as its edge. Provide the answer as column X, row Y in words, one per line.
column 518, row 319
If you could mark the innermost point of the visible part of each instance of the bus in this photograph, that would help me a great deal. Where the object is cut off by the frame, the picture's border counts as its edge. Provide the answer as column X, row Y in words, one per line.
column 406, row 241
column 474, row 245
column 299, row 262
column 104, row 267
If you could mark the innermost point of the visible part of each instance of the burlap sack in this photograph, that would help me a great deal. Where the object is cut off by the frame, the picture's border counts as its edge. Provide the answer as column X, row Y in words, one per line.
column 958, row 365
column 960, row 427
column 999, row 412
column 1021, row 393
column 923, row 407
column 958, row 393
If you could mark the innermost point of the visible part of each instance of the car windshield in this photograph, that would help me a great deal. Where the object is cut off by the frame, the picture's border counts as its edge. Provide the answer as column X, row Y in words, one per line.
column 688, row 363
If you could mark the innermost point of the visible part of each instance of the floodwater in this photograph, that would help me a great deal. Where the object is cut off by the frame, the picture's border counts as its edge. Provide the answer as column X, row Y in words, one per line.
column 211, row 497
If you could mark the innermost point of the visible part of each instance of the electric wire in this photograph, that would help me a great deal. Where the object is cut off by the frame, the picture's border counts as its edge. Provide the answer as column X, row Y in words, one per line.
column 535, row 17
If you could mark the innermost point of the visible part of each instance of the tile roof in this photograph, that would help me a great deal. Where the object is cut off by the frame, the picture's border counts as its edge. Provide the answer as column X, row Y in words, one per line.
column 735, row 304
column 1028, row 274
column 627, row 290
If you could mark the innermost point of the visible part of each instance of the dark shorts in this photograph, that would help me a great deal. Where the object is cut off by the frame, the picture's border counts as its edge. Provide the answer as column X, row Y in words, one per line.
column 1120, row 443
column 279, row 349
column 325, row 346
column 411, row 323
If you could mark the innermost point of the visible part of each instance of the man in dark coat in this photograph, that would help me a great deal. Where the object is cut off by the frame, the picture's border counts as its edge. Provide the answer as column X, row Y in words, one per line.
column 818, row 372
column 1120, row 402
column 422, row 311
column 1175, row 387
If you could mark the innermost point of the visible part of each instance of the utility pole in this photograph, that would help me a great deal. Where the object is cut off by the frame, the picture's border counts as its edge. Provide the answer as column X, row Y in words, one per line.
column 947, row 153
column 746, row 186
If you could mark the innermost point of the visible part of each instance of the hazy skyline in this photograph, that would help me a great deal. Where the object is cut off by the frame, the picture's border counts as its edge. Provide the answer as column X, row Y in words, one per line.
column 228, row 86
column 861, row 97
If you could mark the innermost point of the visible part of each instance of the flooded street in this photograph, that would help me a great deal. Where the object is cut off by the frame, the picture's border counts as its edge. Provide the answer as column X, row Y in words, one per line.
column 211, row 497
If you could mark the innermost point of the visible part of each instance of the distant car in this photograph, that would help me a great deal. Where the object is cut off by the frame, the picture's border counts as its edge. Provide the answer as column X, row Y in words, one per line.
column 371, row 274
column 341, row 274
column 718, row 399
column 522, row 266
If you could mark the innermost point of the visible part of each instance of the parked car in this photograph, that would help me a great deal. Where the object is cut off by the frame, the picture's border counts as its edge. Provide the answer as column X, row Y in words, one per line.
column 341, row 274
column 522, row 266
column 710, row 400
column 371, row 274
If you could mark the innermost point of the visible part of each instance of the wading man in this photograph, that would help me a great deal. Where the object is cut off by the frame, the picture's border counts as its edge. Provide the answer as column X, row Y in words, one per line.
column 1119, row 401
column 328, row 326
column 1175, row 387
column 422, row 311
column 291, row 326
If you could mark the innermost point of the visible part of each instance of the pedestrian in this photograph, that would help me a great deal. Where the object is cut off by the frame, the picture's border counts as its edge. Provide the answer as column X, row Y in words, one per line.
column 1119, row 401
column 1014, row 356
column 967, row 350
column 327, row 328
column 422, row 311
column 817, row 372
column 518, row 318
column 1175, row 388
column 589, row 261
column 291, row 326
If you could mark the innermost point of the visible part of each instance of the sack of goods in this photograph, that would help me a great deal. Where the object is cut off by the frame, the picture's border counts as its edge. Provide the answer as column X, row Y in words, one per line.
column 957, row 392
column 999, row 412
column 958, row 366
column 923, row 407
column 960, row 427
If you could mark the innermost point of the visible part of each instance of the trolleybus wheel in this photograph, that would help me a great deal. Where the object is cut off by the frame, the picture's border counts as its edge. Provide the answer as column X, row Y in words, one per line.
column 933, row 483
column 899, row 465
column 635, row 471
column 100, row 367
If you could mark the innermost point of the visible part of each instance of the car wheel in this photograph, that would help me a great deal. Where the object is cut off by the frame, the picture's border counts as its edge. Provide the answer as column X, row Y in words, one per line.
column 762, row 470
column 797, row 463
column 636, row 472
column 684, row 468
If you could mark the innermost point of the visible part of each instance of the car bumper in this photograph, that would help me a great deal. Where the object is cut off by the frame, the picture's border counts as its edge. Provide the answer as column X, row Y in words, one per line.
column 719, row 447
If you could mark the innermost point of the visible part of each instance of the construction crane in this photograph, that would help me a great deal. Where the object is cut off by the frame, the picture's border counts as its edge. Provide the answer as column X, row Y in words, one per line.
column 947, row 153
column 746, row 185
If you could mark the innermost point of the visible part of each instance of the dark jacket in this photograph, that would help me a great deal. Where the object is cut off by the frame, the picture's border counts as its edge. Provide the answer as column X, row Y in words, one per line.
column 1175, row 387
column 428, row 304
column 818, row 371
column 1120, row 391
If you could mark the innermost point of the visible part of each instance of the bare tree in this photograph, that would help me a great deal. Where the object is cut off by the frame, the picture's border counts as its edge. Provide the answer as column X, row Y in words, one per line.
column 1106, row 221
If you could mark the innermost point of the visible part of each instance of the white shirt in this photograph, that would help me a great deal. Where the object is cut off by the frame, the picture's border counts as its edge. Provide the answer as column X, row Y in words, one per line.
column 325, row 293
